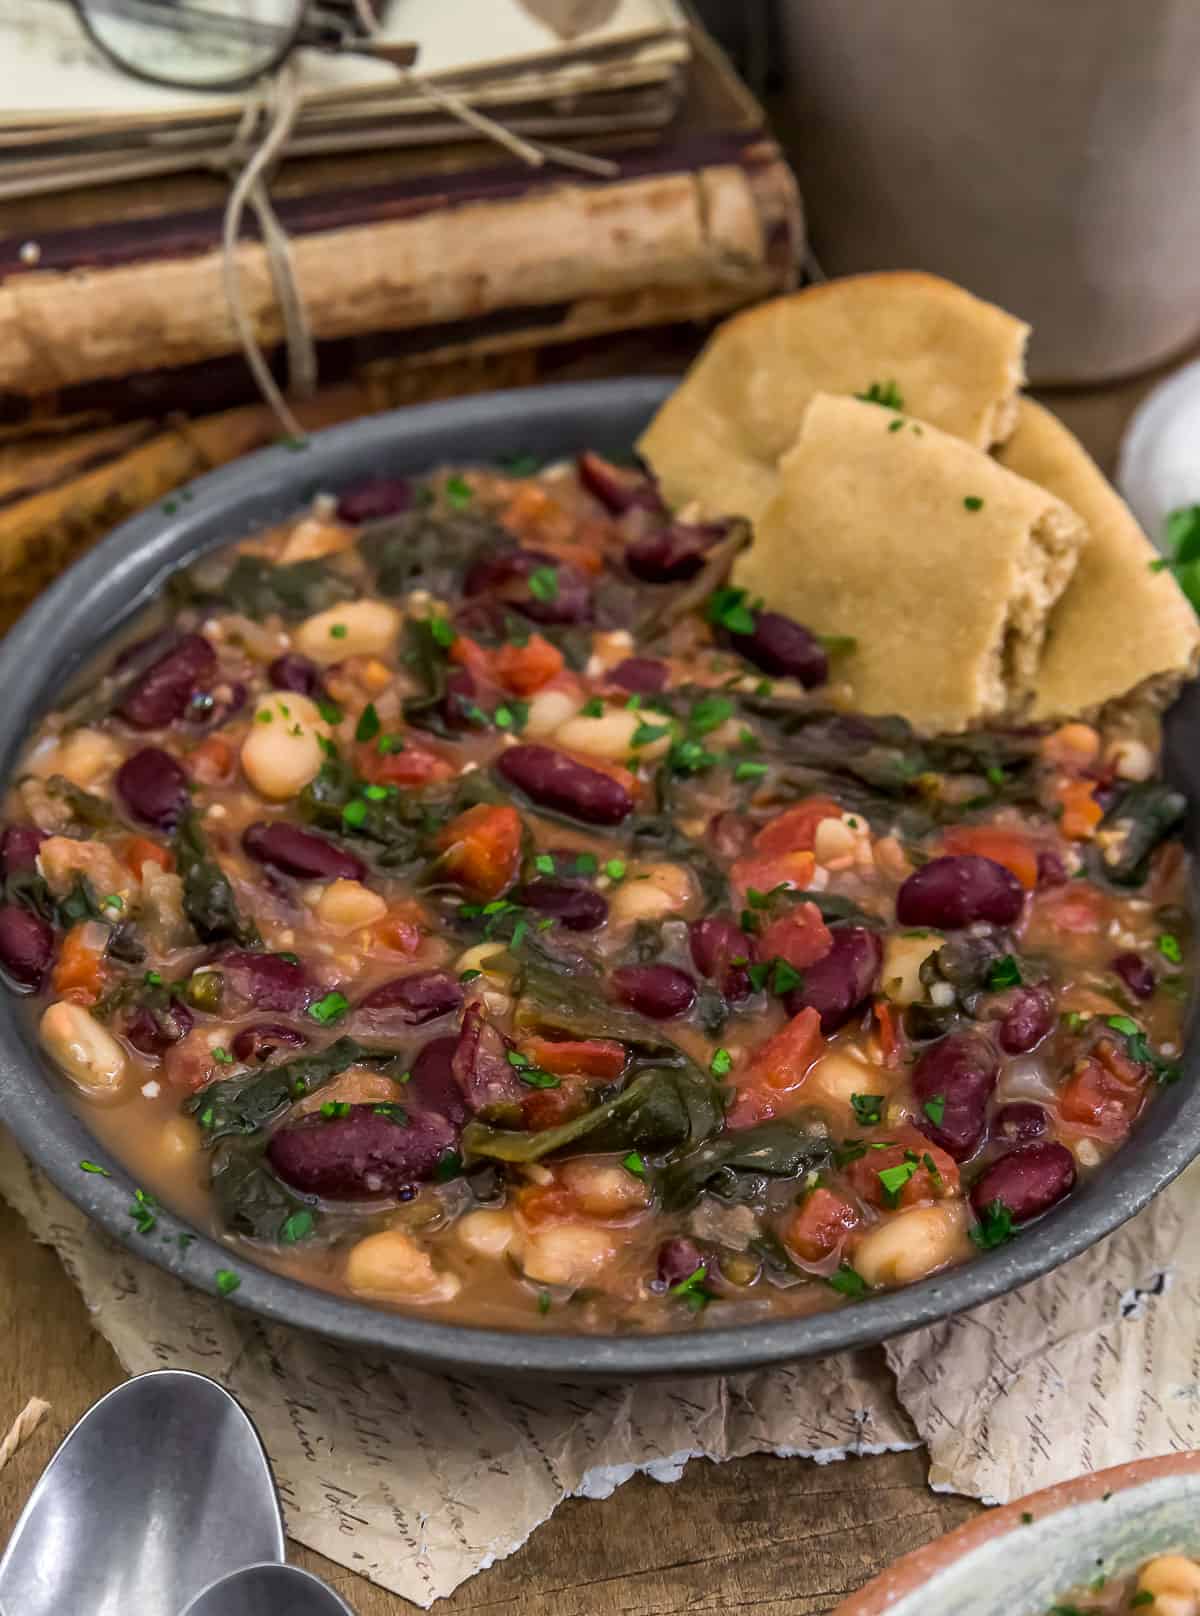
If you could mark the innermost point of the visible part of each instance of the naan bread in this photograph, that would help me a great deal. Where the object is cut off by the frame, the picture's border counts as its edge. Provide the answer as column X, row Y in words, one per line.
column 953, row 360
column 1119, row 628
column 940, row 563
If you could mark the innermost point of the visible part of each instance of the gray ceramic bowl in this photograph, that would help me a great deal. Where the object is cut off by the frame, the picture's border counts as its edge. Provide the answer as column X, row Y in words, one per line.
column 91, row 602
column 1022, row 1559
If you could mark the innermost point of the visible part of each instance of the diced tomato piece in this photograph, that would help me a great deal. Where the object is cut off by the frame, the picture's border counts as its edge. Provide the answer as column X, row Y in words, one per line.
column 780, row 1064
column 765, row 871
column 545, row 1203
column 1003, row 846
column 140, row 851
column 79, row 969
column 400, row 929
column 472, row 656
column 593, row 1057
column 818, row 1227
column 800, row 937
column 534, row 513
column 413, row 765
column 924, row 1183
column 526, row 668
column 1081, row 813
column 891, row 1034
column 1104, row 1093
column 793, row 830
column 481, row 849
column 546, row 1108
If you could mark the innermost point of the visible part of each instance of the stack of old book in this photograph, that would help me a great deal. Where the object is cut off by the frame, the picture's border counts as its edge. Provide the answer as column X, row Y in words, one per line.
column 429, row 259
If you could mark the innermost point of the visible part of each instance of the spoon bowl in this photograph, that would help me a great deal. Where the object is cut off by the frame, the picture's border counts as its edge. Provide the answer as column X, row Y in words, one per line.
column 161, row 1483
column 269, row 1590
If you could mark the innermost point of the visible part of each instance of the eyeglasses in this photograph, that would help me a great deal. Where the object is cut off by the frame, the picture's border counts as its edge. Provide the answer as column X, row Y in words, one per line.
column 224, row 44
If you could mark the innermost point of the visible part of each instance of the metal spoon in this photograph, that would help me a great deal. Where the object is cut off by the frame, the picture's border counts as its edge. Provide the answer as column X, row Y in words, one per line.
column 162, row 1484
column 269, row 1590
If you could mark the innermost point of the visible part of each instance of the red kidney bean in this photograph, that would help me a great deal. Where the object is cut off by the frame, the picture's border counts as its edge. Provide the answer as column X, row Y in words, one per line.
column 646, row 675
column 671, row 554
column 19, row 847
column 553, row 780
column 1051, row 871
column 678, row 1259
column 161, row 694
column 369, row 502
column 1136, row 974
column 715, row 942
column 507, row 577
column 486, row 1077
column 259, row 1043
column 295, row 672
column 839, row 982
column 369, row 1153
column 153, row 1031
column 571, row 903
column 1028, row 1180
column 659, row 991
column 616, row 487
column 154, row 788
column 266, row 981
column 1019, row 1121
column 957, row 890
column 785, row 648
column 433, row 1085
column 961, row 1072
column 1029, row 1017
column 26, row 945
column 410, row 1001
column 300, row 853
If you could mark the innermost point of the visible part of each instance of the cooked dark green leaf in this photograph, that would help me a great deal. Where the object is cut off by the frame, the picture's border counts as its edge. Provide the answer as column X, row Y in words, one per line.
column 1147, row 812
column 243, row 1105
column 208, row 899
column 736, row 1162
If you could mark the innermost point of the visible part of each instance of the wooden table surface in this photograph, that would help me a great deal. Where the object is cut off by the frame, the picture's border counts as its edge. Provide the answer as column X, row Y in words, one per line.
column 785, row 1537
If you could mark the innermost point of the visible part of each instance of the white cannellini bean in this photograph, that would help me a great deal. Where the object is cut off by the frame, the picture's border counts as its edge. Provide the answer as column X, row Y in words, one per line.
column 349, row 904
column 87, row 1052
column 912, row 1244
column 651, row 892
column 84, row 757
column 548, row 710
column 476, row 957
column 903, row 958
column 356, row 628
column 315, row 536
column 610, row 736
column 565, row 1253
column 1174, row 1582
column 838, row 1075
column 486, row 1233
column 392, row 1267
column 282, row 749
column 605, row 1189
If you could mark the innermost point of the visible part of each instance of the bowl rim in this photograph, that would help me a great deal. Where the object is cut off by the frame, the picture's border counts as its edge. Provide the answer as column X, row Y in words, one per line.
column 84, row 610
column 919, row 1566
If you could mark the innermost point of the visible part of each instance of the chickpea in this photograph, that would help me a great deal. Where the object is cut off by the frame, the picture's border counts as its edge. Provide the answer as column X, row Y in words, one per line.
column 651, row 892
column 609, row 736
column 605, row 1189
column 85, row 756
column 566, row 1253
column 903, row 958
column 87, row 1052
column 1173, row 1580
column 313, row 537
column 349, row 905
column 487, row 1233
column 913, row 1244
column 282, row 750
column 357, row 628
column 834, row 842
column 549, row 710
column 393, row 1267
column 838, row 1075
column 179, row 1142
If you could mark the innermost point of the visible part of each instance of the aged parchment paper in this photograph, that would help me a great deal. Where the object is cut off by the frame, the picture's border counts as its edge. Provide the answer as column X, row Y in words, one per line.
column 417, row 1482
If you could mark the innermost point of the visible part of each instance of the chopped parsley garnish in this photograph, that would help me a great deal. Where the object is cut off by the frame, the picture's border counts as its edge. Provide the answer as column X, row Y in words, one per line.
column 393, row 1113
column 893, row 1179
column 544, row 864
column 1183, row 542
column 144, row 1211
column 707, row 714
column 368, row 725
column 458, row 493
column 337, row 631
column 847, row 1282
column 775, row 976
column 1139, row 1049
column 1142, row 1597
column 227, row 1281
column 615, row 869
column 727, row 609
column 935, row 1109
column 222, row 1056
column 543, row 583
column 329, row 711
column 868, row 1109
column 153, row 979
column 749, row 771
column 721, row 1063
column 593, row 708
column 1170, row 948
column 586, row 864
column 543, row 1302
column 449, row 1165
column 634, row 1164
column 95, row 1167
column 297, row 1227
column 333, row 1109
column 533, row 1075
column 647, row 734
column 692, row 1290
column 1026, row 1518
column 523, row 465
column 329, row 1009
column 995, row 1227
column 389, row 743
column 885, row 393
column 1003, row 973
column 355, row 812
column 973, row 502
column 442, row 631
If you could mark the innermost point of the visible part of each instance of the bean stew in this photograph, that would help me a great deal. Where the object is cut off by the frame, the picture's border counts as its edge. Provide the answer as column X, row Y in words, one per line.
column 466, row 900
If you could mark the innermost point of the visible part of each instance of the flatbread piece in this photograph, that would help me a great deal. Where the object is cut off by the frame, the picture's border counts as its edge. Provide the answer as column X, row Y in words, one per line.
column 941, row 564
column 951, row 359
column 1119, row 629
